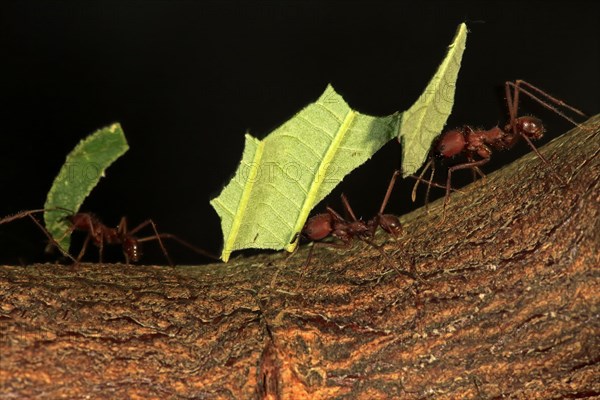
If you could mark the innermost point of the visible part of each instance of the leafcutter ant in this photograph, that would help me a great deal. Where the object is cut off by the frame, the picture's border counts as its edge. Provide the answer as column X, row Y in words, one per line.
column 477, row 144
column 332, row 224
column 100, row 234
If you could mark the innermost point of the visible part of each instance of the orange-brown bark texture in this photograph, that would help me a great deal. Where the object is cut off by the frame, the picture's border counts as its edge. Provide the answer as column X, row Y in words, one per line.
column 505, row 306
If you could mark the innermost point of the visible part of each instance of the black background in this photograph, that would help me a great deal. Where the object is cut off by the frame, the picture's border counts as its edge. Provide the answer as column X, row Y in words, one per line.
column 187, row 79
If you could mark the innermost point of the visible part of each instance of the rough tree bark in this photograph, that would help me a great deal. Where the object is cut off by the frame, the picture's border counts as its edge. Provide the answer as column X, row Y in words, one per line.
column 506, row 306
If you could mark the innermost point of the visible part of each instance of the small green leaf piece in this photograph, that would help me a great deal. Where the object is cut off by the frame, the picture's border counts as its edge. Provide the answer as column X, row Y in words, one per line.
column 282, row 177
column 82, row 170
column 424, row 121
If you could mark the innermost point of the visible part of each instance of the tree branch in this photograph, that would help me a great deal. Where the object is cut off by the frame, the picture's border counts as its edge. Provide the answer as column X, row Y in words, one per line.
column 506, row 306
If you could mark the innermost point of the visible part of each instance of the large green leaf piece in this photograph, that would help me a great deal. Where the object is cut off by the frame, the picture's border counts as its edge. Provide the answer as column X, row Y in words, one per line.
column 424, row 121
column 281, row 178
column 80, row 173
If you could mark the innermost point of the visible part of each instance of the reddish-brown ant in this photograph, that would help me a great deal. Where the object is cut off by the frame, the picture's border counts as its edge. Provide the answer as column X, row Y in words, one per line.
column 331, row 223
column 100, row 234
column 473, row 142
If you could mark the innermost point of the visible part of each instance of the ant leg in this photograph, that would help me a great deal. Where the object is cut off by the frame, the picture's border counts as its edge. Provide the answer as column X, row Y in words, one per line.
column 91, row 235
column 159, row 236
column 101, row 251
column 436, row 185
column 156, row 236
column 376, row 222
column 433, row 184
column 530, row 143
column 182, row 242
column 342, row 245
column 429, row 183
column 449, row 179
column 551, row 98
column 386, row 198
column 545, row 161
column 297, row 240
column 19, row 215
column 122, row 232
column 476, row 170
column 420, row 179
column 389, row 259
column 512, row 104
column 518, row 88
column 54, row 242
column 22, row 214
column 391, row 185
column 84, row 247
column 347, row 207
column 122, row 227
column 513, row 114
column 479, row 172
column 29, row 214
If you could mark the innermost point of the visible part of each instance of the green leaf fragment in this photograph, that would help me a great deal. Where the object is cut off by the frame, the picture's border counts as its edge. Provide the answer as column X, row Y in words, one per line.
column 82, row 170
column 282, row 177
column 424, row 121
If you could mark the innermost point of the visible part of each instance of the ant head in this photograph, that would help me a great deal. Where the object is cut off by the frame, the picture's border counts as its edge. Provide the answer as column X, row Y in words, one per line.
column 391, row 224
column 531, row 127
column 132, row 249
column 318, row 227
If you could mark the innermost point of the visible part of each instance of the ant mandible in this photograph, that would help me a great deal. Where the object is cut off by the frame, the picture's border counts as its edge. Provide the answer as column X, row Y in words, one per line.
column 333, row 224
column 100, row 234
column 474, row 142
